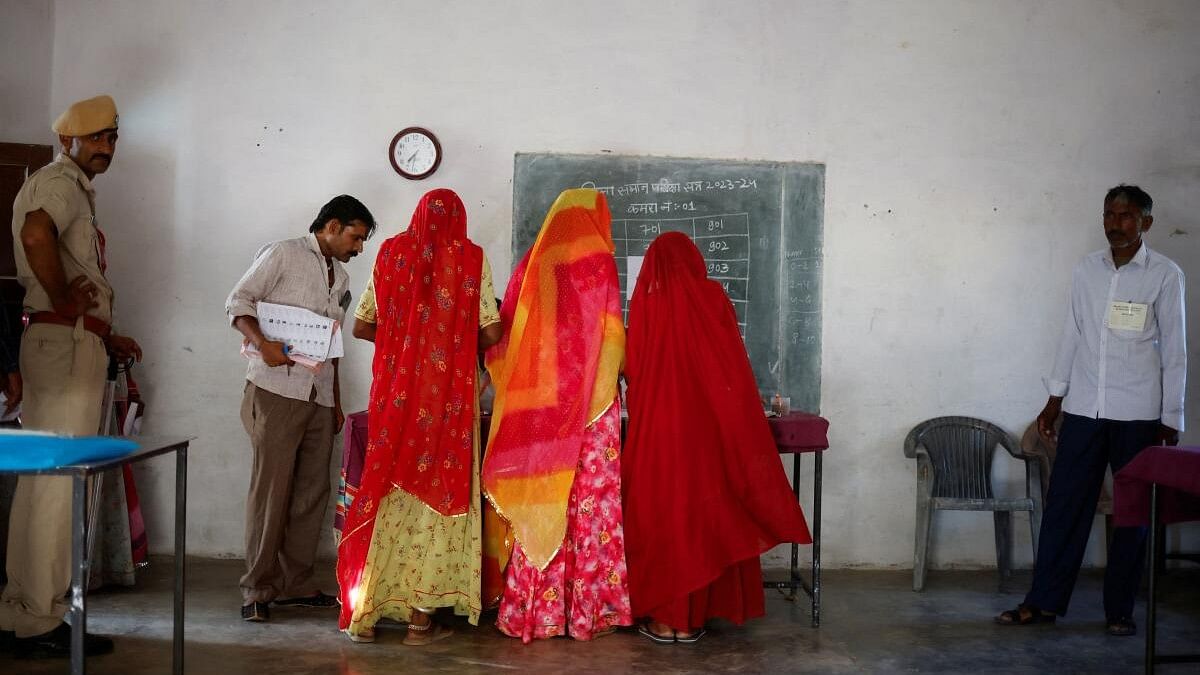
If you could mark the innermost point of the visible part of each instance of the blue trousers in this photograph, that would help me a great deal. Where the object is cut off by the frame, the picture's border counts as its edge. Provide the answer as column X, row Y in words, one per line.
column 1085, row 446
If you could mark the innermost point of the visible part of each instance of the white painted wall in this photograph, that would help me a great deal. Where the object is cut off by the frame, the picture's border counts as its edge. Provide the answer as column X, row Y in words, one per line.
column 968, row 146
column 27, row 36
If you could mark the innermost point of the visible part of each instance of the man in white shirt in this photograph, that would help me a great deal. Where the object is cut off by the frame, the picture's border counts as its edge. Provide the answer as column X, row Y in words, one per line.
column 290, row 412
column 1118, row 380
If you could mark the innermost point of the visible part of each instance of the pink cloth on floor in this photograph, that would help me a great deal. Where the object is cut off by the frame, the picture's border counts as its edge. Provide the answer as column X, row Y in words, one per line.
column 584, row 590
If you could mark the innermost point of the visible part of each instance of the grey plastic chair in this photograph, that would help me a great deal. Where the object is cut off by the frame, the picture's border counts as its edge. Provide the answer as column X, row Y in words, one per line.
column 954, row 472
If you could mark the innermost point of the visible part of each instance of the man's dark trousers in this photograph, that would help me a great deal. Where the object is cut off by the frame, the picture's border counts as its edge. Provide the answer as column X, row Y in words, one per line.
column 1085, row 446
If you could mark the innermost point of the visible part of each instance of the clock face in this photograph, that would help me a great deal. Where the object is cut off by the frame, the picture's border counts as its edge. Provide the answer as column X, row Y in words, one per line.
column 415, row 153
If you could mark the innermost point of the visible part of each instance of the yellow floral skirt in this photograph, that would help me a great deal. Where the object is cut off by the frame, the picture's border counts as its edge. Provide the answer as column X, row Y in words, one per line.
column 420, row 558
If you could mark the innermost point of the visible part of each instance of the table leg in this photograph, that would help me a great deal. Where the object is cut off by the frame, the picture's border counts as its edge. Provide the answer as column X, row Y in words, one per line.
column 816, row 534
column 1152, row 593
column 794, row 571
column 78, row 571
column 180, row 557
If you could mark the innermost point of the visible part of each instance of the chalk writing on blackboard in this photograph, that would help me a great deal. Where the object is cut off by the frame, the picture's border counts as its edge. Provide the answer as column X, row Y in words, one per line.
column 723, row 240
column 757, row 224
column 665, row 186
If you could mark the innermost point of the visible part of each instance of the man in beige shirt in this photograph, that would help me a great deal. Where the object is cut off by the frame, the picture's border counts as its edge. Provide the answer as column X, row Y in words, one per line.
column 290, row 412
column 65, row 350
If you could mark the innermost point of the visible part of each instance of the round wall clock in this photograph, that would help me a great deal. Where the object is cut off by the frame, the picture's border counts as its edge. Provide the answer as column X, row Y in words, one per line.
column 415, row 153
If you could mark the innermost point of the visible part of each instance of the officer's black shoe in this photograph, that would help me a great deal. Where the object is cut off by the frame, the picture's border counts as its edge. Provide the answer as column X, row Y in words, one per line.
column 57, row 644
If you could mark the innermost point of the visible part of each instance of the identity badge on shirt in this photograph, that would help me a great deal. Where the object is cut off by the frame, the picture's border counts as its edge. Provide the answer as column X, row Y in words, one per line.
column 1127, row 316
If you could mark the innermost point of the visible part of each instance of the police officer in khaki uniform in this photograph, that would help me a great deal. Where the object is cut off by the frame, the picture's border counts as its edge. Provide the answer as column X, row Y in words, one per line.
column 64, row 356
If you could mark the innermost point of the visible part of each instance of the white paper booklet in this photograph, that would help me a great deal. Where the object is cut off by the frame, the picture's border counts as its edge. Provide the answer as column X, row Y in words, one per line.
column 306, row 333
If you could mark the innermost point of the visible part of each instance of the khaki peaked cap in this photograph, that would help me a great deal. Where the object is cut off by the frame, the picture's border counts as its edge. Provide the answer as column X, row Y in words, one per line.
column 87, row 117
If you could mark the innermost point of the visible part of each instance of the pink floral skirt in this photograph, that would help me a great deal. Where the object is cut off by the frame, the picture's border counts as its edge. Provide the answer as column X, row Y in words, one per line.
column 584, row 591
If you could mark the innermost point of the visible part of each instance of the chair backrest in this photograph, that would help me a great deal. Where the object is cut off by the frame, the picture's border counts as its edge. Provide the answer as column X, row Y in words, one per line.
column 960, row 450
column 1034, row 445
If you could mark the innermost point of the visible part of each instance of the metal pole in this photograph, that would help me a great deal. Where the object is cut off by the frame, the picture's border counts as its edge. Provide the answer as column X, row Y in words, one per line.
column 78, row 570
column 1152, row 598
column 97, row 480
column 95, row 484
column 816, row 559
column 795, row 569
column 180, row 555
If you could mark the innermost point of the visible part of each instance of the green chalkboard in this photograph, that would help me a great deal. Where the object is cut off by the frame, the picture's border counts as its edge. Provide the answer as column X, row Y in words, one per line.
column 758, row 225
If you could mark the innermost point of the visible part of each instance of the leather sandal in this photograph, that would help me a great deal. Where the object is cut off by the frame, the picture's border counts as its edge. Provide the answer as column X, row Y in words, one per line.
column 317, row 600
column 1123, row 627
column 1032, row 615
column 419, row 636
column 256, row 612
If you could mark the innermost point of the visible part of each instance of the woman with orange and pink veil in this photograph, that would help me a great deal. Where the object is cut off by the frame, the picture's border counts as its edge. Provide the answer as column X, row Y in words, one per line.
column 552, row 467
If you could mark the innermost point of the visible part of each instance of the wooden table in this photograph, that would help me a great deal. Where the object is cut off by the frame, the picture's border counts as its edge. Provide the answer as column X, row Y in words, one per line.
column 149, row 446
column 1160, row 485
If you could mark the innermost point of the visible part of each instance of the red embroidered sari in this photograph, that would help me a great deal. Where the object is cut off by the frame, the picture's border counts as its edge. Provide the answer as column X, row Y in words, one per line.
column 422, row 405
column 704, row 491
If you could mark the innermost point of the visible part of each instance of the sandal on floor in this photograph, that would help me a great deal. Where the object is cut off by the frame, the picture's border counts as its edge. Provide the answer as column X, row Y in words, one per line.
column 256, row 612
column 419, row 636
column 644, row 630
column 691, row 638
column 1013, row 617
column 363, row 636
column 317, row 600
column 1121, row 627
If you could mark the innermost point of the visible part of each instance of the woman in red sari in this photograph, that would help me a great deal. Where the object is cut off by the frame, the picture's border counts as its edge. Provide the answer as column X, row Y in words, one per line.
column 705, row 492
column 411, row 542
column 553, row 460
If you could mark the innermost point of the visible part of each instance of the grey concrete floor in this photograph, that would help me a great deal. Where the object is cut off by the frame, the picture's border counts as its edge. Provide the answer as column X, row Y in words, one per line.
column 872, row 622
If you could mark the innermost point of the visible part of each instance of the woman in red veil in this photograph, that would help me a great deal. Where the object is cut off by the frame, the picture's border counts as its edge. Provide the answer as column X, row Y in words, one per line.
column 411, row 542
column 704, row 490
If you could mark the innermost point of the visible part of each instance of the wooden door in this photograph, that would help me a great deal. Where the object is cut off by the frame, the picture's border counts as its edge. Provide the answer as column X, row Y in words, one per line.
column 17, row 161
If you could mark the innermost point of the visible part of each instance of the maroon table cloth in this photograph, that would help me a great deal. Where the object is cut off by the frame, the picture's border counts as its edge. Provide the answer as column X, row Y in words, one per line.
column 800, row 432
column 354, row 448
column 1176, row 470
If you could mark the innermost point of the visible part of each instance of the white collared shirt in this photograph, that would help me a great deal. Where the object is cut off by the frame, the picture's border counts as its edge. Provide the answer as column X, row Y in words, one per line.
column 291, row 272
column 1123, row 374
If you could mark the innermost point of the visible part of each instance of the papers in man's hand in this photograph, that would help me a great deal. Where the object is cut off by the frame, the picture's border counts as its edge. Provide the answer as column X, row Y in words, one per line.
column 311, row 339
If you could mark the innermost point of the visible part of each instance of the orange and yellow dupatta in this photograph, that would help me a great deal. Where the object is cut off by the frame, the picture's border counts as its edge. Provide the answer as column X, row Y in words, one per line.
column 555, row 370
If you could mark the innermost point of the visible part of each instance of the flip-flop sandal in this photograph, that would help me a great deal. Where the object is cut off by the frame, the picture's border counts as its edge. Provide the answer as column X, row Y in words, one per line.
column 691, row 639
column 427, row 634
column 1121, row 627
column 1012, row 617
column 644, row 630
column 256, row 612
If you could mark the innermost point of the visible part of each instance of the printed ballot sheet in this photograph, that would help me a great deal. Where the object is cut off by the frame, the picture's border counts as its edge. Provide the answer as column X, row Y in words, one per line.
column 306, row 333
